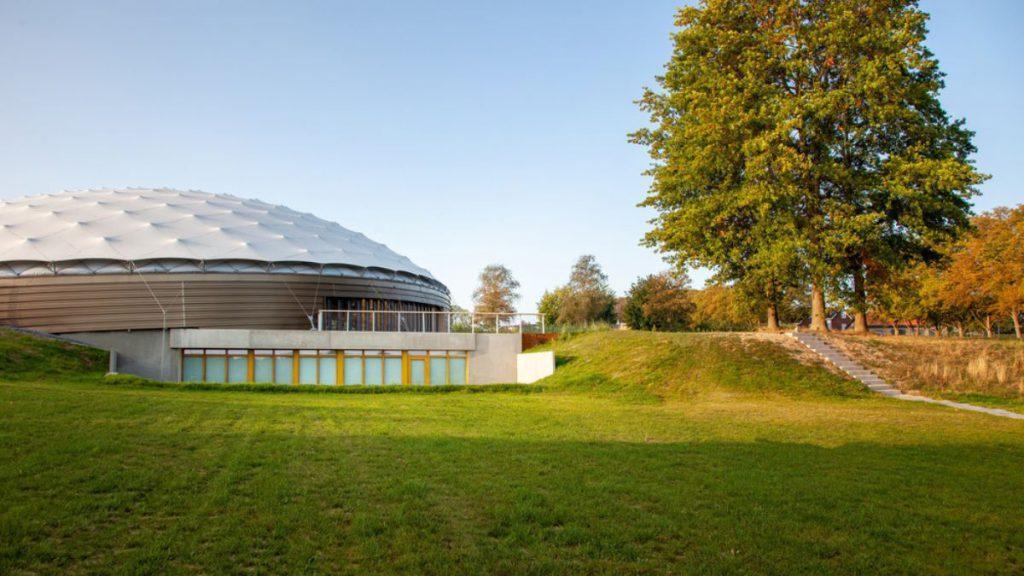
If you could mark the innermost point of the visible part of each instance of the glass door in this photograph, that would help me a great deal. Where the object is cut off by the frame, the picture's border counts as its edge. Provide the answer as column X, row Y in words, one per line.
column 417, row 370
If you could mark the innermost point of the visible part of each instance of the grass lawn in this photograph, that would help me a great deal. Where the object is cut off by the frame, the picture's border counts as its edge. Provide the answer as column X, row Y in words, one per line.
column 643, row 454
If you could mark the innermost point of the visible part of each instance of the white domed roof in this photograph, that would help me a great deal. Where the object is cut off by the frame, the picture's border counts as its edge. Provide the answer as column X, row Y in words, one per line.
column 146, row 225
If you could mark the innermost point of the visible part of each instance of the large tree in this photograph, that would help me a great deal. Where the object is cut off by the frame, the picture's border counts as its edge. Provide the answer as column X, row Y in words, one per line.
column 802, row 141
column 587, row 297
column 550, row 304
column 659, row 302
column 497, row 292
column 999, row 245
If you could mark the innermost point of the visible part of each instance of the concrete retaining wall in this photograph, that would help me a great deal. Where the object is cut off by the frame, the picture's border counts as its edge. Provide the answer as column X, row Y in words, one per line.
column 533, row 366
column 494, row 359
column 145, row 353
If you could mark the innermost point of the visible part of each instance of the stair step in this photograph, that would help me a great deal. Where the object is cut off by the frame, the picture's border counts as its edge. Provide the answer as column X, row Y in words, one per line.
column 837, row 357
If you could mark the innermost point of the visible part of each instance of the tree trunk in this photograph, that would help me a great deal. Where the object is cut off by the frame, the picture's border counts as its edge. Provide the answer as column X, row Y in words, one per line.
column 960, row 329
column 773, row 317
column 773, row 306
column 988, row 326
column 818, row 309
column 860, row 302
column 1016, row 324
column 895, row 329
column 860, row 322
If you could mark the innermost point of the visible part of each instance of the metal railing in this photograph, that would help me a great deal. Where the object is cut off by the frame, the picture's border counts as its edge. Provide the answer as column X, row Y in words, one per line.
column 401, row 321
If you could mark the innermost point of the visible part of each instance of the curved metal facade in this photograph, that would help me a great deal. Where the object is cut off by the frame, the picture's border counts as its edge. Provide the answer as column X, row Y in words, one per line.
column 88, row 303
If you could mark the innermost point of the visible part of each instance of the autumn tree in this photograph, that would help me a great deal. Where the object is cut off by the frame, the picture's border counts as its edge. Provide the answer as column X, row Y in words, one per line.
column 659, row 302
column 999, row 243
column 497, row 291
column 897, row 299
column 803, row 141
column 720, row 308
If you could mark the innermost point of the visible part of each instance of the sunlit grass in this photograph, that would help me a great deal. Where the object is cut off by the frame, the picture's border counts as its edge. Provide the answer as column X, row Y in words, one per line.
column 707, row 468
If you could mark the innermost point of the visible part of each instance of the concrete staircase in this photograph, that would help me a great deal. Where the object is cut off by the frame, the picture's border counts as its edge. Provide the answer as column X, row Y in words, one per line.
column 830, row 353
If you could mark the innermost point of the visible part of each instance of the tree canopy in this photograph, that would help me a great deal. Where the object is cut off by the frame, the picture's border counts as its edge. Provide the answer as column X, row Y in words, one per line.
column 659, row 302
column 802, row 142
column 585, row 299
column 978, row 280
column 497, row 291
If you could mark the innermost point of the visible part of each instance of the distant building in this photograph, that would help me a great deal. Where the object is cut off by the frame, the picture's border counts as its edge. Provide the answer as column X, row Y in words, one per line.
column 835, row 321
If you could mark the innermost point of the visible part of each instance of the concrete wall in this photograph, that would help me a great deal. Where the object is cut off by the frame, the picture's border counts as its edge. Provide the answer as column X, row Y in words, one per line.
column 145, row 353
column 494, row 359
column 531, row 367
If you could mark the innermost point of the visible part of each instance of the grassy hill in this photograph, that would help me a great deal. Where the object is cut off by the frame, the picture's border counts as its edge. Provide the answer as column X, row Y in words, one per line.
column 645, row 453
column 674, row 366
column 27, row 357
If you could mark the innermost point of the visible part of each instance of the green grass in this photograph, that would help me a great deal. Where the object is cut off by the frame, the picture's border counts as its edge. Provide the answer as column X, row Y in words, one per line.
column 643, row 454
column 26, row 357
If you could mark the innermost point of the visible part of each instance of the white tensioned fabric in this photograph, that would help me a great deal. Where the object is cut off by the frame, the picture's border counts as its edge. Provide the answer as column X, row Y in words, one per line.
column 161, row 230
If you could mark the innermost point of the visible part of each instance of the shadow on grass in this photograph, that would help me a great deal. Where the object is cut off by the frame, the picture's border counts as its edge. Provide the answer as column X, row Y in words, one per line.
column 563, row 360
column 163, row 497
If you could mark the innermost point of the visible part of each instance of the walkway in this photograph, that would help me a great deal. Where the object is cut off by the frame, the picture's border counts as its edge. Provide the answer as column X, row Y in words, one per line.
column 829, row 352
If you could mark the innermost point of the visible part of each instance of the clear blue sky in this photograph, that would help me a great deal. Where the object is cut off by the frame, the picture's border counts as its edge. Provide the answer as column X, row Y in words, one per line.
column 458, row 133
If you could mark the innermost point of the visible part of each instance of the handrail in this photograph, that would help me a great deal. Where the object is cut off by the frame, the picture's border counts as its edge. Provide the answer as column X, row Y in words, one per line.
column 428, row 321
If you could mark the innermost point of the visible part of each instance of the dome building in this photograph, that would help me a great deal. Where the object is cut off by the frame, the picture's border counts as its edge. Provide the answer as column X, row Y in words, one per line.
column 175, row 282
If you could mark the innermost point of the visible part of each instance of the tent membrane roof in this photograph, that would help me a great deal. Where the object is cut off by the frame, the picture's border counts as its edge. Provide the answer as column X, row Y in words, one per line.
column 146, row 225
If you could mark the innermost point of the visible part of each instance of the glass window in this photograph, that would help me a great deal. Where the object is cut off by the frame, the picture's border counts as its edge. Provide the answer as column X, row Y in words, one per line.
column 283, row 369
column 193, row 369
column 353, row 370
column 374, row 371
column 215, row 368
column 438, row 370
column 263, row 369
column 307, row 370
column 328, row 370
column 417, row 372
column 456, row 370
column 392, row 370
column 238, row 368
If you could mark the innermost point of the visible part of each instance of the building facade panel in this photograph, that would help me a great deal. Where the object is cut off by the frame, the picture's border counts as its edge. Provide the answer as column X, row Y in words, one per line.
column 67, row 304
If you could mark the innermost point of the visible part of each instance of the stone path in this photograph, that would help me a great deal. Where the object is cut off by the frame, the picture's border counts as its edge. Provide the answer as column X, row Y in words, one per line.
column 823, row 348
